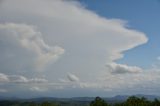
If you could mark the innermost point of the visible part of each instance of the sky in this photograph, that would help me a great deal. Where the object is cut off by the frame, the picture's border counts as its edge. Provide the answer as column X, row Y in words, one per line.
column 77, row 48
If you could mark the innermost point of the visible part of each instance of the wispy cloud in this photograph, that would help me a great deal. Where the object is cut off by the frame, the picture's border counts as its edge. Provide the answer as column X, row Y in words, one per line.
column 38, row 89
column 19, row 79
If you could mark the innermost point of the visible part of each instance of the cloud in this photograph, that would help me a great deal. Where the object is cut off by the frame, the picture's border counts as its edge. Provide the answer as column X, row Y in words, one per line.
column 3, row 78
column 86, row 29
column 123, row 84
column 33, row 32
column 115, row 68
column 37, row 89
column 72, row 77
column 90, row 85
column 20, row 79
column 25, row 36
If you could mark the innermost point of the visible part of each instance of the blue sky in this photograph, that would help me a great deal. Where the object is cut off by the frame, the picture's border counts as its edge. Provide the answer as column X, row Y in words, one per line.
column 141, row 15
column 66, row 48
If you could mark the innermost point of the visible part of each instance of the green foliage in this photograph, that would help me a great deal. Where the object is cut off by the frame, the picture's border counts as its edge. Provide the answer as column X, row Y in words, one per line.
column 131, row 101
column 33, row 104
column 135, row 101
column 98, row 102
column 48, row 104
column 156, row 102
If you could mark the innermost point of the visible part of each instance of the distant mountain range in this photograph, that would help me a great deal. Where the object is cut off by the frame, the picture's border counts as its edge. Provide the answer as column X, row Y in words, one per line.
column 121, row 98
column 118, row 98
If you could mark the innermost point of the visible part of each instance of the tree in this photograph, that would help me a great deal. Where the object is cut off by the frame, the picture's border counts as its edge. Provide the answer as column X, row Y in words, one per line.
column 156, row 102
column 135, row 101
column 98, row 102
column 48, row 104
column 33, row 104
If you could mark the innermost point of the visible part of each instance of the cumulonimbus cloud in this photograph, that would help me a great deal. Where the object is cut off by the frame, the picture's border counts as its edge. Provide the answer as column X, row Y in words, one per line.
column 38, row 29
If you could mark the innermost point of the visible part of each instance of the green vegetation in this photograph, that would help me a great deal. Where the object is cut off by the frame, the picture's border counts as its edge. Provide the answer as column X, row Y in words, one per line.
column 46, row 103
column 131, row 101
column 98, row 102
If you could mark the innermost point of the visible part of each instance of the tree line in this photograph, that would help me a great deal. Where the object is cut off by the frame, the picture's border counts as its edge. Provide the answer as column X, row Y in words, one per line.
column 131, row 101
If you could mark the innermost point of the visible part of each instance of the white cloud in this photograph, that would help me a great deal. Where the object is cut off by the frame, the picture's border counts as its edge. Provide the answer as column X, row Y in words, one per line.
column 38, row 89
column 3, row 78
column 122, row 68
column 38, row 80
column 120, row 83
column 90, row 85
column 20, row 79
column 90, row 41
column 72, row 77
column 85, row 27
column 27, row 37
